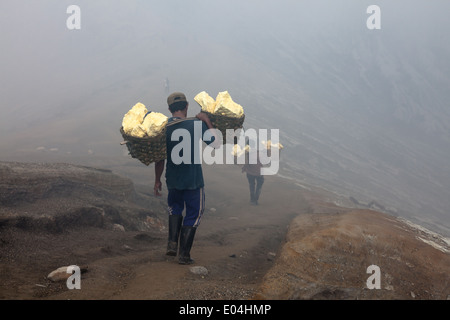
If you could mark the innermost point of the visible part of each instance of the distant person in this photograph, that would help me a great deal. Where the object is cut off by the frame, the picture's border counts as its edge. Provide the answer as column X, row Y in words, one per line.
column 184, row 181
column 252, row 168
column 166, row 86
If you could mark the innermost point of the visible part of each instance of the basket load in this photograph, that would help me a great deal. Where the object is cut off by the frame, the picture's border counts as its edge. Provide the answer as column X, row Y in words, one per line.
column 237, row 151
column 223, row 112
column 268, row 146
column 144, row 133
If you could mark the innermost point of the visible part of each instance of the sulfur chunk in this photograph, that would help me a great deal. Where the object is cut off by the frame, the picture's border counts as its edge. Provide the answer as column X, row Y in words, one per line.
column 237, row 151
column 133, row 118
column 227, row 107
column 140, row 123
column 223, row 105
column 138, row 132
column 154, row 123
column 268, row 145
column 205, row 101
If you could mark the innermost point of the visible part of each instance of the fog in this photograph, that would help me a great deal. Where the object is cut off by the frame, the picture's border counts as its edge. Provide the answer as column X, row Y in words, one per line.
column 363, row 113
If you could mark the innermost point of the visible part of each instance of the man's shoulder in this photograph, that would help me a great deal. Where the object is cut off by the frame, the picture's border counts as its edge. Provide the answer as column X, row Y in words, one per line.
column 185, row 121
column 190, row 124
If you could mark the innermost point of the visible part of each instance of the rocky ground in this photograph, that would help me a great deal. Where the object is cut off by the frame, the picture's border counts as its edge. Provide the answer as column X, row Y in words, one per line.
column 297, row 244
column 331, row 256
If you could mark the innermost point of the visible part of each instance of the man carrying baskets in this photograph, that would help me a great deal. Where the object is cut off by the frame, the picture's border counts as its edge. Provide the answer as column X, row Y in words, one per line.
column 253, row 171
column 184, row 179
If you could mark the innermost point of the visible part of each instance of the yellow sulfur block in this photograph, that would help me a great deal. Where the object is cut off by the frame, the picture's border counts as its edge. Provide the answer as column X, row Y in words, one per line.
column 226, row 106
column 237, row 151
column 154, row 123
column 138, row 132
column 269, row 145
column 133, row 118
column 205, row 101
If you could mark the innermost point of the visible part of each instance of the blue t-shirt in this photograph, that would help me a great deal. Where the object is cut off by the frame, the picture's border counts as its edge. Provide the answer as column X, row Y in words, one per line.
column 183, row 141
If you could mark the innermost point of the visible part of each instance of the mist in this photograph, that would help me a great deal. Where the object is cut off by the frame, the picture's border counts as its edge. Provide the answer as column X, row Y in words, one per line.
column 363, row 113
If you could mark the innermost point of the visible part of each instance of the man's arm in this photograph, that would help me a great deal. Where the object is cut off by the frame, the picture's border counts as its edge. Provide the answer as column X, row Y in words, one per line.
column 159, row 168
column 204, row 117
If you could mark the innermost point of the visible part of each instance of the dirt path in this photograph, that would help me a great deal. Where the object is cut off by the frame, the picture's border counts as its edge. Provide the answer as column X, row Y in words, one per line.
column 236, row 247
column 236, row 243
column 241, row 249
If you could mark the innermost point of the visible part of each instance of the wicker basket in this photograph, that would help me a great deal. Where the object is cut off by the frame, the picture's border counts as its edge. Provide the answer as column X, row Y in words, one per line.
column 146, row 150
column 223, row 122
column 149, row 150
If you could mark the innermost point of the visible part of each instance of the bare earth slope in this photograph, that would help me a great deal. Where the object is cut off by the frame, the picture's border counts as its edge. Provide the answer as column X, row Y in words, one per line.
column 326, row 256
column 53, row 215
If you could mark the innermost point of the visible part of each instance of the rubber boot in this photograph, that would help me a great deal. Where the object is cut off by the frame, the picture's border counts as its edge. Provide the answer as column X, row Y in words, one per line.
column 175, row 221
column 186, row 239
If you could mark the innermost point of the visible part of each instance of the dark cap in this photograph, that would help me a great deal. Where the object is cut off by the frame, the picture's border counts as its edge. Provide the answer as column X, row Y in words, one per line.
column 176, row 97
